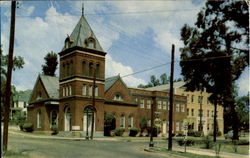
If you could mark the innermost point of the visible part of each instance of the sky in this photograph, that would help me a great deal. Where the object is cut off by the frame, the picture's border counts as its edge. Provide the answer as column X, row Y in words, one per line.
column 136, row 35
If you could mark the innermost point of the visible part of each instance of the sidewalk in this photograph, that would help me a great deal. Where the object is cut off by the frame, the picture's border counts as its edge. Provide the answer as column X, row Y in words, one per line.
column 62, row 138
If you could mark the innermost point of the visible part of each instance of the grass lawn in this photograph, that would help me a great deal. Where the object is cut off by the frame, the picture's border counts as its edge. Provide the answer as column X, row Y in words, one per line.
column 186, row 154
column 227, row 147
column 15, row 154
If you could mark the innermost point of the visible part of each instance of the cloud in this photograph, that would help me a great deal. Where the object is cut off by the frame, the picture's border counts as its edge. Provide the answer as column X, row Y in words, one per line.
column 114, row 68
column 36, row 36
column 243, row 83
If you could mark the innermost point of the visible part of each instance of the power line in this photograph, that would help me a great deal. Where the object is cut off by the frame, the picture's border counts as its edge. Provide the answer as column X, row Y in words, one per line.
column 190, row 60
column 120, row 13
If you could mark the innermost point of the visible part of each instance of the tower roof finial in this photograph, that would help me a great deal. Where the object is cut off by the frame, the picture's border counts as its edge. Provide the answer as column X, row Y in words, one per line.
column 82, row 9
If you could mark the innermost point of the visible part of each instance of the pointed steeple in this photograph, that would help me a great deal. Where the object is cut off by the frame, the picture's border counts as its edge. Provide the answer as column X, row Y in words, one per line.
column 82, row 36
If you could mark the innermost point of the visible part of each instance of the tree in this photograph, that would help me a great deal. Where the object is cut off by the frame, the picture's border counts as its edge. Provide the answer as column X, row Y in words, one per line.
column 164, row 79
column 154, row 81
column 18, row 63
column 242, row 108
column 50, row 64
column 215, row 52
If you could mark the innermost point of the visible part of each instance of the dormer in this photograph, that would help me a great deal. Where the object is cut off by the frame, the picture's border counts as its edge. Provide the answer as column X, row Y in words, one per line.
column 90, row 43
column 67, row 43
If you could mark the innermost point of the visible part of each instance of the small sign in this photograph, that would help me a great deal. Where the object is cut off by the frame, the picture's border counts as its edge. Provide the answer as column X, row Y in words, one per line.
column 157, row 122
column 75, row 127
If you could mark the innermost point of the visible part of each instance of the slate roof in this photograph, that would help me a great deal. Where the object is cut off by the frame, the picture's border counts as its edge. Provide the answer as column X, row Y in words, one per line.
column 81, row 32
column 166, row 87
column 110, row 81
column 51, row 85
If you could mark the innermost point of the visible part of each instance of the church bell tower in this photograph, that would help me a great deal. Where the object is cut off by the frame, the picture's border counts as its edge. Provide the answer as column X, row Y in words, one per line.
column 81, row 57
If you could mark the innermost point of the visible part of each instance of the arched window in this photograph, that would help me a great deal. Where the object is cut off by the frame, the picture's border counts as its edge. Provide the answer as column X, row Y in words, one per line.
column 38, row 120
column 90, row 90
column 122, row 121
column 91, row 69
column 84, row 89
column 67, row 119
column 90, row 42
column 96, row 91
column 118, row 97
column 98, row 70
column 39, row 95
column 84, row 68
column 130, row 121
column 70, row 90
column 63, row 70
column 53, row 118
column 71, row 68
column 66, row 91
column 63, row 91
column 67, row 67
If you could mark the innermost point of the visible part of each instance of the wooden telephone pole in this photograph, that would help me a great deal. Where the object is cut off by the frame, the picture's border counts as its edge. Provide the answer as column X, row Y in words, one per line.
column 153, row 105
column 9, row 74
column 171, row 101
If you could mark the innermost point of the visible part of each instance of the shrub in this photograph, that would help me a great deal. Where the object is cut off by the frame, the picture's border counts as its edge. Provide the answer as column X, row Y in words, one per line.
column 190, row 132
column 208, row 142
column 54, row 128
column 155, row 130
column 198, row 133
column 143, row 125
column 243, row 142
column 28, row 127
column 189, row 142
column 218, row 133
column 133, row 132
column 119, row 131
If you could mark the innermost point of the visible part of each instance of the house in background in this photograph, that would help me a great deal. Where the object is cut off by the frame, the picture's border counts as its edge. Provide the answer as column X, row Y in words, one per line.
column 195, row 100
column 20, row 103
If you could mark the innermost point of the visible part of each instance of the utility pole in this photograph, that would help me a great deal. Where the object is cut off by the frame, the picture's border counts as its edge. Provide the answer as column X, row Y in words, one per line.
column 93, row 104
column 9, row 74
column 153, row 105
column 171, row 101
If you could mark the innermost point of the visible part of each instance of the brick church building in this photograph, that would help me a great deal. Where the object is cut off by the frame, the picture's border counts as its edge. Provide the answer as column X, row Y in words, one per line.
column 67, row 101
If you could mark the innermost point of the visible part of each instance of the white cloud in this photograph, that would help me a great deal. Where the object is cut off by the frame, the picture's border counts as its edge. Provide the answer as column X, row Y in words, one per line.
column 165, row 40
column 35, row 37
column 243, row 83
column 114, row 68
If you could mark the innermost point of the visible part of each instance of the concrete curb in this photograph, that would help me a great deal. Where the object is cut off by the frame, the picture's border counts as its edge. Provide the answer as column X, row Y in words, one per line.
column 60, row 138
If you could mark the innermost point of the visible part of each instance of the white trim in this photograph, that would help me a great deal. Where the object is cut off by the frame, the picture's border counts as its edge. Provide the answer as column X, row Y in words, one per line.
column 80, row 79
column 82, row 53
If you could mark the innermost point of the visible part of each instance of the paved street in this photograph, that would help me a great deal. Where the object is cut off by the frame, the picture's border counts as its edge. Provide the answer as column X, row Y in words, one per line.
column 49, row 148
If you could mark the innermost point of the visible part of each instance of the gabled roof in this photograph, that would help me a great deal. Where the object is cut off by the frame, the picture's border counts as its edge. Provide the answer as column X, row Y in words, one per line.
column 81, row 33
column 51, row 85
column 166, row 87
column 110, row 81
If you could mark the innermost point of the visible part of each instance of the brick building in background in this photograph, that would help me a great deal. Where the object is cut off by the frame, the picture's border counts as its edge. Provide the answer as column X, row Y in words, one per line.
column 67, row 101
column 197, row 104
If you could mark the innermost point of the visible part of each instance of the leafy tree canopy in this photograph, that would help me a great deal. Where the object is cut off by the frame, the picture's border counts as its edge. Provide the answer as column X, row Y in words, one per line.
column 216, row 51
column 164, row 79
column 18, row 63
column 50, row 66
column 219, row 40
